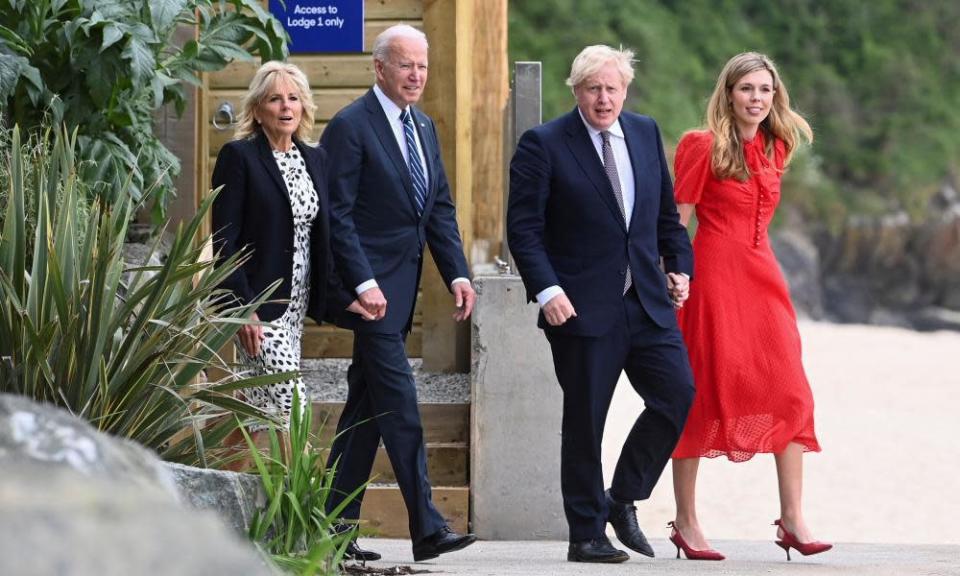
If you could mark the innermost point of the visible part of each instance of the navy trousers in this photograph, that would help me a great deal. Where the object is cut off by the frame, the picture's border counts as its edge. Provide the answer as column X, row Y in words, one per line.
column 588, row 368
column 382, row 403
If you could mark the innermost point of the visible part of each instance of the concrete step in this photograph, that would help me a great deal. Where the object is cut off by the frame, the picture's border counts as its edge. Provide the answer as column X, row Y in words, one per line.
column 384, row 514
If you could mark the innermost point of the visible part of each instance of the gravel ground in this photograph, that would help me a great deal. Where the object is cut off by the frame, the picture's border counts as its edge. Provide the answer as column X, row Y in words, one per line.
column 326, row 380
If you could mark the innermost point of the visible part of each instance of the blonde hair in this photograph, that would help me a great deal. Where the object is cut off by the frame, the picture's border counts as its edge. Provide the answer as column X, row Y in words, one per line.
column 726, row 158
column 592, row 59
column 263, row 81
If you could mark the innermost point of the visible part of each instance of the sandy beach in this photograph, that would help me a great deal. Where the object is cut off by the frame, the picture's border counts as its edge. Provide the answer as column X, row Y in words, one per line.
column 888, row 419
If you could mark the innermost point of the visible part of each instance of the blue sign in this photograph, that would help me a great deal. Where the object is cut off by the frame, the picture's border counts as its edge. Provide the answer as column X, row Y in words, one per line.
column 321, row 25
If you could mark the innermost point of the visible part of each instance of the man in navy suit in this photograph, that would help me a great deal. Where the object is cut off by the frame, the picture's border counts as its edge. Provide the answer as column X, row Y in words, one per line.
column 389, row 198
column 591, row 217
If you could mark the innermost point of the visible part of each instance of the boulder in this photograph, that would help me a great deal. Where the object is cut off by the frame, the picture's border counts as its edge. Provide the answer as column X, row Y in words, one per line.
column 76, row 502
column 800, row 263
column 232, row 496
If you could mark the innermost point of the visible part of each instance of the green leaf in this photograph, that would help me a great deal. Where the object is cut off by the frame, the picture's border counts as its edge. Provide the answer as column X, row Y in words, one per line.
column 142, row 62
column 12, row 40
column 111, row 35
column 164, row 13
column 11, row 67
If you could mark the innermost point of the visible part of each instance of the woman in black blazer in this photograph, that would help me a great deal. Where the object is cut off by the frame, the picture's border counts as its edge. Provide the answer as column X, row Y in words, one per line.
column 274, row 204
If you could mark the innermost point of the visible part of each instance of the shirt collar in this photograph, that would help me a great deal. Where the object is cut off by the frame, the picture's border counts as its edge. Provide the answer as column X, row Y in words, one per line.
column 390, row 107
column 615, row 129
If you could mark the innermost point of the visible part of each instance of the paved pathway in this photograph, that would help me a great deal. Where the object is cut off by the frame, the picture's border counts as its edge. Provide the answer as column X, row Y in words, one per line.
column 745, row 558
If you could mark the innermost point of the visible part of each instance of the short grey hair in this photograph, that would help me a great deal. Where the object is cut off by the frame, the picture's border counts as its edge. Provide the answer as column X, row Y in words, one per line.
column 592, row 58
column 381, row 46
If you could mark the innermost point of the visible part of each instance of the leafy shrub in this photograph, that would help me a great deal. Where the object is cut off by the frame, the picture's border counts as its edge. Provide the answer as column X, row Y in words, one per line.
column 294, row 529
column 106, row 66
column 128, row 365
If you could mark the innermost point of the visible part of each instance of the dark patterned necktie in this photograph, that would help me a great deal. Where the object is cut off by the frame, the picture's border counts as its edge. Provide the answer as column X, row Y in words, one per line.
column 610, row 167
column 413, row 162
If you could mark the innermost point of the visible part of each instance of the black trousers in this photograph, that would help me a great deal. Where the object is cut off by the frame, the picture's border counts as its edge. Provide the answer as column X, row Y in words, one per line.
column 588, row 368
column 382, row 403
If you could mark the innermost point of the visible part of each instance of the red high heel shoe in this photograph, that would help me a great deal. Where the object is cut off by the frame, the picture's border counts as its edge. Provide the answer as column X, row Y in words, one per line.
column 691, row 553
column 806, row 548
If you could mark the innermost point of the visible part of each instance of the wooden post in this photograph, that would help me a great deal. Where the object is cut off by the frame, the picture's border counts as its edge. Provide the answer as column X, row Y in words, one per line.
column 490, row 99
column 449, row 27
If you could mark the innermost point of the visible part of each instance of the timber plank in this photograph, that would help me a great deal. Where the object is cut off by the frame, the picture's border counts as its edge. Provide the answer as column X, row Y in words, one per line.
column 329, row 101
column 328, row 71
column 383, row 513
column 442, row 423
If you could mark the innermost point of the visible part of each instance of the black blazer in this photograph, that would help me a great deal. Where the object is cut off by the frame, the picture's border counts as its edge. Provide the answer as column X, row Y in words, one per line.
column 376, row 233
column 564, row 226
column 253, row 211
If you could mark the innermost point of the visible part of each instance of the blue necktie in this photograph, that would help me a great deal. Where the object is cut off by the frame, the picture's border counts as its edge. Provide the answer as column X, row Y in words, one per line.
column 413, row 162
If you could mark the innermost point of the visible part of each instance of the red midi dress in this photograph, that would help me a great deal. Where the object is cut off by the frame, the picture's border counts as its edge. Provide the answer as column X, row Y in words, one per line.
column 739, row 326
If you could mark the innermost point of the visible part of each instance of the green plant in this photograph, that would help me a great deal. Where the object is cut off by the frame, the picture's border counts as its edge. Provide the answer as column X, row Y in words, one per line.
column 294, row 529
column 105, row 66
column 124, row 356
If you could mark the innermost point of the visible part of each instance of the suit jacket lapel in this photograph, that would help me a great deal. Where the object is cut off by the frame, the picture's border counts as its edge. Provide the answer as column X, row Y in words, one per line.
column 585, row 153
column 381, row 127
column 270, row 164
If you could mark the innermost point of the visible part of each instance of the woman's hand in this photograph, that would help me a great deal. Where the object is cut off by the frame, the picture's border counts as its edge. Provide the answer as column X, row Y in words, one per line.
column 679, row 288
column 251, row 335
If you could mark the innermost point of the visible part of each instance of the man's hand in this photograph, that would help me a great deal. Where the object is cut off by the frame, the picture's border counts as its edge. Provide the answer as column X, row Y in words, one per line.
column 558, row 310
column 678, row 285
column 374, row 302
column 464, row 297
column 251, row 335
column 358, row 308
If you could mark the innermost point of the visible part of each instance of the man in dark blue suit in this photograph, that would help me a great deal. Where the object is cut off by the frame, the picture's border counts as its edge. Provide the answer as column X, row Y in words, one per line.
column 591, row 220
column 389, row 198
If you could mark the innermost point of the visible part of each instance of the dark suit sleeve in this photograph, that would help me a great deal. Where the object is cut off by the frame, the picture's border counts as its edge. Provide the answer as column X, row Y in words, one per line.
column 443, row 233
column 335, row 297
column 227, row 215
column 526, row 213
column 345, row 154
column 673, row 241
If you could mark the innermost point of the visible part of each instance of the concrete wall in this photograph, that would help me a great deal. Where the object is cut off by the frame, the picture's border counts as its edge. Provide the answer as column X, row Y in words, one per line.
column 515, row 420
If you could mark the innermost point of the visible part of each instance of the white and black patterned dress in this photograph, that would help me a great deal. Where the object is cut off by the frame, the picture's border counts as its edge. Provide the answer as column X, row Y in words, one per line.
column 280, row 348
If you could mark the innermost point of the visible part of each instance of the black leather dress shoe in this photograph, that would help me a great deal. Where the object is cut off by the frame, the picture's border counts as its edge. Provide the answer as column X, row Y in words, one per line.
column 597, row 550
column 623, row 518
column 355, row 552
column 443, row 541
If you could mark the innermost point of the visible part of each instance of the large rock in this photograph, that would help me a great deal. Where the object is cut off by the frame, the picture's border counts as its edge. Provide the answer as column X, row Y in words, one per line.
column 800, row 262
column 75, row 502
column 232, row 496
column 894, row 270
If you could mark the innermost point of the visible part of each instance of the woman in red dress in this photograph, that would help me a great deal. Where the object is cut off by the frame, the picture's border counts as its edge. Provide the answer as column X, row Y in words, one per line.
column 739, row 325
